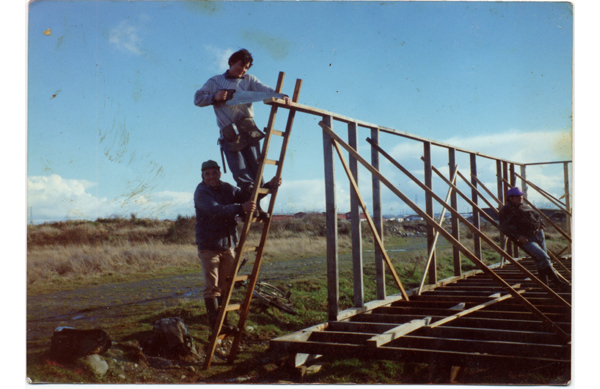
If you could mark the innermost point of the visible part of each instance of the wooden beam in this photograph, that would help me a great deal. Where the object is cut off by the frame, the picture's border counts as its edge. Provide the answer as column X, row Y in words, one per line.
column 475, row 212
column 344, row 119
column 397, row 332
column 378, row 220
column 453, row 168
column 431, row 263
column 376, row 236
column 357, row 259
column 333, row 291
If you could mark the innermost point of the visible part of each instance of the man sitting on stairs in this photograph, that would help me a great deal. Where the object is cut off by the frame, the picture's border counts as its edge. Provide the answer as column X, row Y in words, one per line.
column 521, row 223
column 217, row 204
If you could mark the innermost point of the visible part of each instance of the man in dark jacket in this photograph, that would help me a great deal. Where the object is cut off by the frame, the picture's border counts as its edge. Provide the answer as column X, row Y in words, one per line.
column 217, row 203
column 521, row 223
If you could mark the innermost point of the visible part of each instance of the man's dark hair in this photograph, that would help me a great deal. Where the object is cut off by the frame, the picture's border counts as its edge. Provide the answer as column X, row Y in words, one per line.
column 243, row 55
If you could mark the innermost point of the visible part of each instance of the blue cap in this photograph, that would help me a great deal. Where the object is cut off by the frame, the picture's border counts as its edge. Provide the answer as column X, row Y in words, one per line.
column 515, row 191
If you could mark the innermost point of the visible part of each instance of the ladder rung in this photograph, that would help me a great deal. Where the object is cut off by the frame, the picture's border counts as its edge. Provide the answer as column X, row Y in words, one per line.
column 249, row 249
column 264, row 190
column 279, row 133
column 233, row 307
column 242, row 277
column 271, row 162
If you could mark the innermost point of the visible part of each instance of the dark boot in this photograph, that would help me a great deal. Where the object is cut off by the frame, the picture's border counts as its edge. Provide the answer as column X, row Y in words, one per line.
column 555, row 279
column 211, row 311
column 226, row 328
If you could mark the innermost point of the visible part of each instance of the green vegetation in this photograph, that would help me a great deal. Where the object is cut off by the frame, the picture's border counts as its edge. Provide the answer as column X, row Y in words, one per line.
column 124, row 274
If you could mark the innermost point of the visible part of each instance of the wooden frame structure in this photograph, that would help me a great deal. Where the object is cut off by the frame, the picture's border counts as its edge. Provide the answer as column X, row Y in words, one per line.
column 389, row 326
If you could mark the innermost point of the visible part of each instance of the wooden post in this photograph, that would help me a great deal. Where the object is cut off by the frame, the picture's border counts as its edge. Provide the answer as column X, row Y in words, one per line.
column 567, row 198
column 333, row 288
column 454, row 204
column 377, row 219
column 474, row 198
column 357, row 259
column 509, row 244
column 512, row 179
column 524, row 178
column 429, row 210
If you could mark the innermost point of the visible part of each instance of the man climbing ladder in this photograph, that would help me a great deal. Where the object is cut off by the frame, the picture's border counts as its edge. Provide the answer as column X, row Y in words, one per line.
column 232, row 202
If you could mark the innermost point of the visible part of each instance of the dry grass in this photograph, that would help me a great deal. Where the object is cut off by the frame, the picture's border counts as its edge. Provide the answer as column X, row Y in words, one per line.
column 83, row 262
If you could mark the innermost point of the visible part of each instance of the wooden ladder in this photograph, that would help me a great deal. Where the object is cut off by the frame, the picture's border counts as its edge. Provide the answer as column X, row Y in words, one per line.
column 241, row 248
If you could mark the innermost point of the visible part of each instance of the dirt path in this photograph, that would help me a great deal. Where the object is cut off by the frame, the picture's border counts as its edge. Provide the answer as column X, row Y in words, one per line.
column 97, row 306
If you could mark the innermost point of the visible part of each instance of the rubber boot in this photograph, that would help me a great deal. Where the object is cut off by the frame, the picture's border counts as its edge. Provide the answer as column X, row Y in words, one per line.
column 211, row 311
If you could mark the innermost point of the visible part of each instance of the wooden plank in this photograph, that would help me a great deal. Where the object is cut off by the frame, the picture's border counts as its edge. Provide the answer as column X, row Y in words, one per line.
column 431, row 267
column 331, row 226
column 430, row 257
column 397, row 332
column 567, row 195
column 368, row 306
column 344, row 119
column 475, row 211
column 362, row 327
column 355, row 221
column 470, row 310
column 453, row 168
column 378, row 220
column 528, row 350
column 401, row 354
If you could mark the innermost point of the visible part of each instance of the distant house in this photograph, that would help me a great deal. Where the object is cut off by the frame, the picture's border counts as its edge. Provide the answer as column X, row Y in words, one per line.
column 300, row 215
column 413, row 218
column 348, row 216
column 281, row 217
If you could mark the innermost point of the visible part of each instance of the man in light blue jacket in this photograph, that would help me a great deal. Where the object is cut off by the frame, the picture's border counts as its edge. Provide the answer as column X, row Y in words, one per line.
column 242, row 157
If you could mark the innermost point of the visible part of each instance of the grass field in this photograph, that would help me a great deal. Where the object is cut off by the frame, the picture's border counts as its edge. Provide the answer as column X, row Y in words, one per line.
column 124, row 274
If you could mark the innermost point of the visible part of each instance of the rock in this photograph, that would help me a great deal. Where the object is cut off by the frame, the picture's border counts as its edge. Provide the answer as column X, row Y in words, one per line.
column 96, row 364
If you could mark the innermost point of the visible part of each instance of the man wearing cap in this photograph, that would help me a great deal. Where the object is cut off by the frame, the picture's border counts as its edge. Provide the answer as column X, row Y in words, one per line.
column 217, row 204
column 521, row 223
column 240, row 136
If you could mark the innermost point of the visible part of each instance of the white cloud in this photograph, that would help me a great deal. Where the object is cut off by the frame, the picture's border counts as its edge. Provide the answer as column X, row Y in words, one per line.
column 219, row 58
column 54, row 198
column 126, row 37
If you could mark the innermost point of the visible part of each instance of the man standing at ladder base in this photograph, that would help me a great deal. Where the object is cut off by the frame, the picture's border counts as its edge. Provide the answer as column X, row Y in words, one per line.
column 217, row 204
column 240, row 137
column 521, row 223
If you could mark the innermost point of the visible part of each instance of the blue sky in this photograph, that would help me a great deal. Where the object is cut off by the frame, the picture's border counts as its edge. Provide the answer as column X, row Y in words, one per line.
column 112, row 129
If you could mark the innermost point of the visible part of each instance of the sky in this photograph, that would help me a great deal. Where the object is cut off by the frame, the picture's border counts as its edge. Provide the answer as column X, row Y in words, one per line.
column 113, row 131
